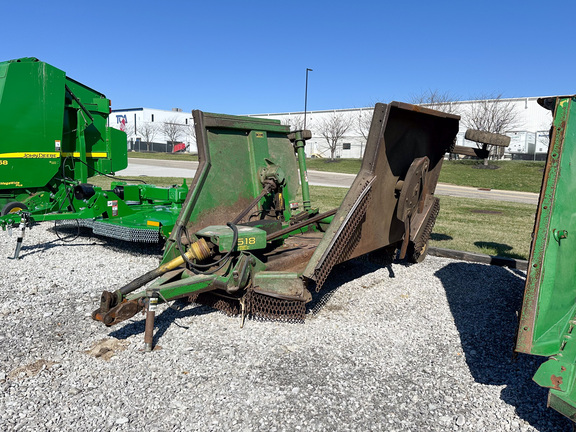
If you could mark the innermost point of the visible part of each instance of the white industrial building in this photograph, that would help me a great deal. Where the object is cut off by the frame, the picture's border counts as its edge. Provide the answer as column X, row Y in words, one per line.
column 529, row 136
column 160, row 130
column 154, row 130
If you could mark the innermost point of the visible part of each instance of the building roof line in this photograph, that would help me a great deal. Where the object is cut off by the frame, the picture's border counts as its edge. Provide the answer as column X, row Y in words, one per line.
column 517, row 99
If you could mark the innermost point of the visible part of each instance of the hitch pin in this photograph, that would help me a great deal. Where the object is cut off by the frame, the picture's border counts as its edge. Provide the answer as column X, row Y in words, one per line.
column 243, row 305
column 149, row 328
column 20, row 238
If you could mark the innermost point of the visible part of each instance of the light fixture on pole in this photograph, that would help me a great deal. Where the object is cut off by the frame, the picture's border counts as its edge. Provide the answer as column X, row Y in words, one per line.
column 306, row 96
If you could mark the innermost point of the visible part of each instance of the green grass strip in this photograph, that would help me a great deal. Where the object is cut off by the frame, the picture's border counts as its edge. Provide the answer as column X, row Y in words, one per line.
column 164, row 156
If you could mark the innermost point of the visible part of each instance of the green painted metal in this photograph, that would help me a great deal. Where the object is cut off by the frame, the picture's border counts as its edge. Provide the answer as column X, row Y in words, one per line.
column 31, row 94
column 548, row 313
column 278, row 283
column 180, row 288
column 299, row 144
column 52, row 126
column 249, row 238
column 232, row 277
column 54, row 137
column 155, row 215
column 233, row 151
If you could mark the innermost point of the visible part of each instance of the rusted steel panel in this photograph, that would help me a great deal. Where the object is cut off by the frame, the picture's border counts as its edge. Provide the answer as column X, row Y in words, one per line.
column 367, row 220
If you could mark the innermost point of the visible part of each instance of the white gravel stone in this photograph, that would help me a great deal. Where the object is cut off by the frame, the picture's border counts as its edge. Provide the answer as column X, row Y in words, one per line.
column 397, row 348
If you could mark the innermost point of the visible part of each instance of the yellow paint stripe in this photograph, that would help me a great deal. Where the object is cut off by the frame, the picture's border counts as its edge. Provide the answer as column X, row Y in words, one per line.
column 153, row 223
column 92, row 155
column 49, row 155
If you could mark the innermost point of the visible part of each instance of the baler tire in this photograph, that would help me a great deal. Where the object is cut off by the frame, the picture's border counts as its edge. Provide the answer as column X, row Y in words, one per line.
column 13, row 207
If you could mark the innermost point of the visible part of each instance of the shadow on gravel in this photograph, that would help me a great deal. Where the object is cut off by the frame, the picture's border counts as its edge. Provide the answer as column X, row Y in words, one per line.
column 180, row 309
column 484, row 301
column 29, row 250
column 67, row 237
column 347, row 272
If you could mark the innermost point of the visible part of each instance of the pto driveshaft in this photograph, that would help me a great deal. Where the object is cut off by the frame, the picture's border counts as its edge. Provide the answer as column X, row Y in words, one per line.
column 112, row 303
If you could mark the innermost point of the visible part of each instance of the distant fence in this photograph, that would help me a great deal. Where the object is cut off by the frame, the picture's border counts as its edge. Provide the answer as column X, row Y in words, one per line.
column 138, row 145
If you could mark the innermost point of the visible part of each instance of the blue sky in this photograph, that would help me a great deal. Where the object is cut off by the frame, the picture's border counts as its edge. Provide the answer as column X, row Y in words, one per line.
column 241, row 57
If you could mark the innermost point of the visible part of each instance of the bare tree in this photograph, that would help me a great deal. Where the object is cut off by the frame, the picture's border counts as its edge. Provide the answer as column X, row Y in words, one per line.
column 148, row 131
column 190, row 132
column 363, row 122
column 436, row 100
column 491, row 113
column 333, row 128
column 173, row 130
column 296, row 122
column 130, row 135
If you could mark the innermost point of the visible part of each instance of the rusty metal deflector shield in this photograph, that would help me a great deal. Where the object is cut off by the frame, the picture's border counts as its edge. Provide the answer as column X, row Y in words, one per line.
column 367, row 220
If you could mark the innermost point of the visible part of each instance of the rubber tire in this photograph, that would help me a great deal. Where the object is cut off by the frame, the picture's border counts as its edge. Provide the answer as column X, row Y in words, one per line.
column 13, row 207
column 416, row 257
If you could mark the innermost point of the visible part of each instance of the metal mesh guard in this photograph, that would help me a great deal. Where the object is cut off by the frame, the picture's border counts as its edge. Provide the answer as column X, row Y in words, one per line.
column 226, row 305
column 263, row 307
column 347, row 240
column 258, row 306
column 136, row 235
column 421, row 242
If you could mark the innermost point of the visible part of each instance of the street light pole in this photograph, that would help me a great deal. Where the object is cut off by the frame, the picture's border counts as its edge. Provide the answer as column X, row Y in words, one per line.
column 306, row 96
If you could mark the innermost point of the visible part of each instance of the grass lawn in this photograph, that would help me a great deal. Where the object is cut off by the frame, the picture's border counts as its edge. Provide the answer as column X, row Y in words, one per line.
column 347, row 166
column 524, row 176
column 484, row 226
column 473, row 225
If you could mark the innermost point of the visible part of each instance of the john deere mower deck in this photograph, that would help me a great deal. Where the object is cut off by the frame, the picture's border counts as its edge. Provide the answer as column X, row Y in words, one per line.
column 243, row 243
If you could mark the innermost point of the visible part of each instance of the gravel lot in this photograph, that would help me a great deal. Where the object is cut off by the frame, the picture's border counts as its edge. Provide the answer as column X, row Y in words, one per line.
column 400, row 348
